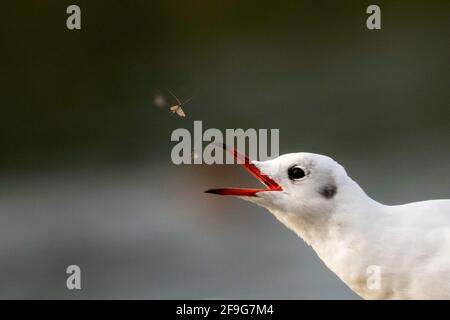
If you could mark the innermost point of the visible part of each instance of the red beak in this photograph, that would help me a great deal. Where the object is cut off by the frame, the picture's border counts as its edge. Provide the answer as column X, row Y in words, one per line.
column 246, row 162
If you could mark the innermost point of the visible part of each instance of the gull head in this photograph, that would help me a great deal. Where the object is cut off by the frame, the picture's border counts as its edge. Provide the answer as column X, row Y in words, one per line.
column 301, row 185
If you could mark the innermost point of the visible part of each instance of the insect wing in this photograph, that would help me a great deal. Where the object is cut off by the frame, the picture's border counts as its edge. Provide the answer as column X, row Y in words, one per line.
column 180, row 112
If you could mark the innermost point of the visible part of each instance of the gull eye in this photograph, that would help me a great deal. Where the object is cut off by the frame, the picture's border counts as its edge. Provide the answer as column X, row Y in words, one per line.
column 296, row 173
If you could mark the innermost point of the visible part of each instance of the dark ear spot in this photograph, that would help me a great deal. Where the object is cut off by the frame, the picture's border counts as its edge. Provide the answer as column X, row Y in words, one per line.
column 328, row 191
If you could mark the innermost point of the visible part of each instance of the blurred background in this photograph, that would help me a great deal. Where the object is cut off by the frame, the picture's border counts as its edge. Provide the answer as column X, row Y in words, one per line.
column 85, row 170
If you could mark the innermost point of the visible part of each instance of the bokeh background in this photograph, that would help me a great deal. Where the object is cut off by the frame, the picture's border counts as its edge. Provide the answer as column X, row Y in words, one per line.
column 85, row 170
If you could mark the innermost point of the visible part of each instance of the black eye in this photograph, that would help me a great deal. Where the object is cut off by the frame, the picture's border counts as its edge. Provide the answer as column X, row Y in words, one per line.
column 296, row 173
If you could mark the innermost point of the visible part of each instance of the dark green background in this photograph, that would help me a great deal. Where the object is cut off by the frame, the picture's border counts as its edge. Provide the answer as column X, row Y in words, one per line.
column 310, row 68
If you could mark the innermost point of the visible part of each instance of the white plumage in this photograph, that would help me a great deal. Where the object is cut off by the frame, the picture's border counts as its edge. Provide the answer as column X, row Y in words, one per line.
column 379, row 251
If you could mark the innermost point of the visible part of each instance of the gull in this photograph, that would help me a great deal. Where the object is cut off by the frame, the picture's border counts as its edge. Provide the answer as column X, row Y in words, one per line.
column 379, row 251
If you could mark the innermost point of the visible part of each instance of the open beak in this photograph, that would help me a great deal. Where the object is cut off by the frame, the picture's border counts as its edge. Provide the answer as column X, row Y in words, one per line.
column 250, row 167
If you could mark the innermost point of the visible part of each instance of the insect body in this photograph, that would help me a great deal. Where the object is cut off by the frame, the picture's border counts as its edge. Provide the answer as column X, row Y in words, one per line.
column 177, row 108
